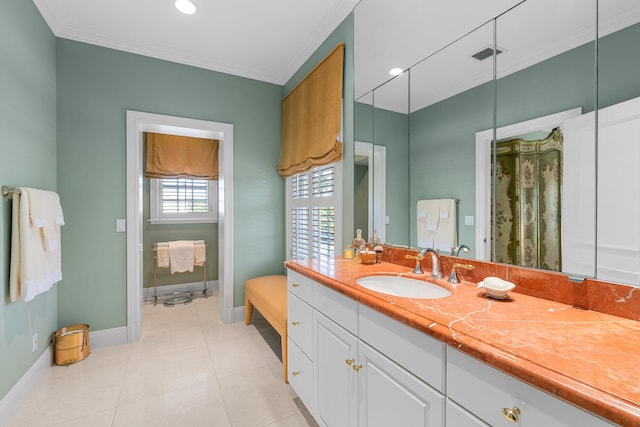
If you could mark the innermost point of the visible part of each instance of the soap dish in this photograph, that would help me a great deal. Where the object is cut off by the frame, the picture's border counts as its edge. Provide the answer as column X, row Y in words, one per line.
column 496, row 288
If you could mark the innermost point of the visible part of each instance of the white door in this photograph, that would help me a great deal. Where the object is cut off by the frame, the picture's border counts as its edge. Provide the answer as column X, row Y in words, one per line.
column 391, row 396
column 619, row 193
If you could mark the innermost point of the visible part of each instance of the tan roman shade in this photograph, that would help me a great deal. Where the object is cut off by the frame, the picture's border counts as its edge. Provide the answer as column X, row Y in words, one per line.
column 311, row 118
column 172, row 156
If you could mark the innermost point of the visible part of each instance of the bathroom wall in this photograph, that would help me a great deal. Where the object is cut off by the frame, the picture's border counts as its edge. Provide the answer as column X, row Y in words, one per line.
column 95, row 88
column 27, row 159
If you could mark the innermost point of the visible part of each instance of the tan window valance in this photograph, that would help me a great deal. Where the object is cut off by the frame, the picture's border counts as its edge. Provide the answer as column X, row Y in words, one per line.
column 173, row 156
column 311, row 118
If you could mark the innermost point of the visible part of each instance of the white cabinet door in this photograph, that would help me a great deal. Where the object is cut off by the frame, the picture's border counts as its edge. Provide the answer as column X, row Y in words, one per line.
column 335, row 364
column 391, row 396
column 457, row 416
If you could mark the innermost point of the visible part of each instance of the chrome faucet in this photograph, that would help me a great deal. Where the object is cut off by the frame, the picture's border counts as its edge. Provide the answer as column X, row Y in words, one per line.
column 456, row 251
column 436, row 265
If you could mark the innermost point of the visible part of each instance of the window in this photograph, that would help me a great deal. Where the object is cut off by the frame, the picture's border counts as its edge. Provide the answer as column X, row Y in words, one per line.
column 183, row 200
column 313, row 212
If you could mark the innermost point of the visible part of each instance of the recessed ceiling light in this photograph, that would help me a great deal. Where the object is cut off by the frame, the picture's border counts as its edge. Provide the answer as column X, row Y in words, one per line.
column 395, row 71
column 185, row 6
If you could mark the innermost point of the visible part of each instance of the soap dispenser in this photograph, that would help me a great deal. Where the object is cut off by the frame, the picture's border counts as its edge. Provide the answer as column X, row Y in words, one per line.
column 358, row 242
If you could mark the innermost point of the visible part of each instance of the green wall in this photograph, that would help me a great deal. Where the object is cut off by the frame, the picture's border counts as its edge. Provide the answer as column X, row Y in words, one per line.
column 28, row 147
column 95, row 88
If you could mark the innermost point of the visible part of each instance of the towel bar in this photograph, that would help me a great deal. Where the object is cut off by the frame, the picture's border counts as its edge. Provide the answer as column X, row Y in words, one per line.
column 7, row 192
column 175, row 300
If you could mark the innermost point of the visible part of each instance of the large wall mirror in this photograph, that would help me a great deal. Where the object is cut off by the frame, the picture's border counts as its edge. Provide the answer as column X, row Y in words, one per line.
column 547, row 129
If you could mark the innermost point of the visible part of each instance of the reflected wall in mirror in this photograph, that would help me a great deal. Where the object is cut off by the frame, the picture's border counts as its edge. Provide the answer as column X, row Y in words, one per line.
column 384, row 125
column 451, row 98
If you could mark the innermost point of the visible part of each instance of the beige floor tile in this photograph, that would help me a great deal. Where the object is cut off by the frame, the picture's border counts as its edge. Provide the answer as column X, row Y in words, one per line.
column 189, row 369
column 258, row 397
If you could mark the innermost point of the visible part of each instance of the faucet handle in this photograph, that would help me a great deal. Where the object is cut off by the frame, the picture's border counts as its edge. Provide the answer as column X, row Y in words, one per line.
column 418, row 268
column 453, row 277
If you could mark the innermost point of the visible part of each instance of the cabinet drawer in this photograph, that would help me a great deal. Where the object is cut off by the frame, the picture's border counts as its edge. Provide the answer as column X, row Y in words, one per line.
column 485, row 391
column 459, row 417
column 415, row 351
column 301, row 286
column 337, row 307
column 301, row 375
column 300, row 323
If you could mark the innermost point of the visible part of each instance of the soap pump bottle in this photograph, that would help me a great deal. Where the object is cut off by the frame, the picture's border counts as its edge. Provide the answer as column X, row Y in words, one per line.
column 358, row 242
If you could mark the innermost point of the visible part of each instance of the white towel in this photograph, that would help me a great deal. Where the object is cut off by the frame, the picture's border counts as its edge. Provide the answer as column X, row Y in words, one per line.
column 199, row 252
column 427, row 216
column 45, row 212
column 33, row 269
column 182, row 256
column 446, row 237
column 444, row 206
column 162, row 254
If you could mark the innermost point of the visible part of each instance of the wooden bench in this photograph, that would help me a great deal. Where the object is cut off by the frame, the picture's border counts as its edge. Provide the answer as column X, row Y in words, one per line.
column 269, row 295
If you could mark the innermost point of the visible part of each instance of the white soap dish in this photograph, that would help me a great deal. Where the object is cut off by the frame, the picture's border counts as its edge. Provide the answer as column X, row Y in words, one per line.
column 496, row 288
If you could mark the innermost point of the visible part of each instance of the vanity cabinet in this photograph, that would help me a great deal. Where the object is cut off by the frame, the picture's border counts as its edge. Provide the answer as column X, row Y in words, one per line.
column 501, row 400
column 369, row 370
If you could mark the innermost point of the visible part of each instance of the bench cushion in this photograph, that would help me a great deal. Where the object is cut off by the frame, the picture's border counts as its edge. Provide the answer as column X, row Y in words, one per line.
column 269, row 295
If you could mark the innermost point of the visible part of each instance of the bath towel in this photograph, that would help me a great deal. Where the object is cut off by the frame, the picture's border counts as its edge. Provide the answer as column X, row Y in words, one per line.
column 33, row 269
column 200, row 252
column 163, row 254
column 182, row 256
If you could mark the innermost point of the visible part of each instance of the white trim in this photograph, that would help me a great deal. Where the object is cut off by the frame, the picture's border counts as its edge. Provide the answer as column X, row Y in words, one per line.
column 377, row 209
column 107, row 337
column 137, row 124
column 483, row 169
column 19, row 393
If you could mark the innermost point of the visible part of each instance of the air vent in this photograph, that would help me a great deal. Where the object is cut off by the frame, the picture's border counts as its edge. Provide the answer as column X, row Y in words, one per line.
column 486, row 53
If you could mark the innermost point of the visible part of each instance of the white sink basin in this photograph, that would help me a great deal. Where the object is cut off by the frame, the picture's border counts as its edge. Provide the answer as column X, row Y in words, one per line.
column 403, row 287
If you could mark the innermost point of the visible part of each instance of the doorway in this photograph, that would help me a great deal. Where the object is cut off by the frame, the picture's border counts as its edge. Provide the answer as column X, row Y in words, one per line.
column 137, row 124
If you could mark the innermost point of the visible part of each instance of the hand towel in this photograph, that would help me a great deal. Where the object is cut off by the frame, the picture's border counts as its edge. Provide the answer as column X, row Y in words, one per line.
column 200, row 252
column 425, row 235
column 446, row 237
column 181, row 253
column 45, row 212
column 433, row 214
column 32, row 269
column 162, row 254
column 444, row 206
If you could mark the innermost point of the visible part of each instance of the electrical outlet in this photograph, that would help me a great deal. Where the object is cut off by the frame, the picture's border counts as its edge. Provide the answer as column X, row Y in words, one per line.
column 34, row 342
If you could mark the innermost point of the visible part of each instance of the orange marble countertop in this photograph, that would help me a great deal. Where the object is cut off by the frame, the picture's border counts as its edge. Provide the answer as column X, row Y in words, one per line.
column 584, row 357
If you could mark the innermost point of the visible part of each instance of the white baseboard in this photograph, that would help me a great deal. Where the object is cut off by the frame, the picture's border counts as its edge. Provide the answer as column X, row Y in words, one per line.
column 195, row 287
column 107, row 337
column 18, row 394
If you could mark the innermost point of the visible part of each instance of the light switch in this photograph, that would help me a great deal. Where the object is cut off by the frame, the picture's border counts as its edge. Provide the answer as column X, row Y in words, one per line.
column 121, row 225
column 468, row 220
column 386, row 219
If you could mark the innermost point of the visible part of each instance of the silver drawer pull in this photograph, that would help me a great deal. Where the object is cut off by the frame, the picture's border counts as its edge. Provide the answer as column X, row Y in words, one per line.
column 512, row 414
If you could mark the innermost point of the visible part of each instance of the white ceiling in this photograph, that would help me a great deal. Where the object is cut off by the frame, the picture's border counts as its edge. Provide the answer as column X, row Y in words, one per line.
column 261, row 40
column 270, row 41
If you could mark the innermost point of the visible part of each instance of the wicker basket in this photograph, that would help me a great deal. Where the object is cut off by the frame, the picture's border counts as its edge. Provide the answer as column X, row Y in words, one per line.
column 71, row 344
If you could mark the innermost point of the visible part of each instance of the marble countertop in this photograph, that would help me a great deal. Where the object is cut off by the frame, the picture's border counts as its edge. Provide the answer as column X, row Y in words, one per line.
column 584, row 357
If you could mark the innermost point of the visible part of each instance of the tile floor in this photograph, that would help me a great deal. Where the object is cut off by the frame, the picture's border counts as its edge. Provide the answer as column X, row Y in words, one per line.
column 189, row 369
